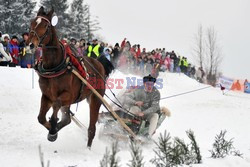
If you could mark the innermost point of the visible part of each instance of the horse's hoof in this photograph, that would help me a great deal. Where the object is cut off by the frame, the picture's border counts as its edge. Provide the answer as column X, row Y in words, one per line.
column 52, row 137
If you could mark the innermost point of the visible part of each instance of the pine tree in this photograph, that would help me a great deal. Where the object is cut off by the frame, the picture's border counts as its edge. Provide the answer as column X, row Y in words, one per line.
column 5, row 13
column 169, row 154
column 223, row 147
column 136, row 153
column 27, row 13
column 15, row 15
column 79, row 16
column 60, row 8
column 195, row 149
column 110, row 160
column 92, row 26
column 163, row 150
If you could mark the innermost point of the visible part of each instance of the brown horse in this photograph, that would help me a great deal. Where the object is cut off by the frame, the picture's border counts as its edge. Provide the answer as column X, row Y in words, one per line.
column 59, row 86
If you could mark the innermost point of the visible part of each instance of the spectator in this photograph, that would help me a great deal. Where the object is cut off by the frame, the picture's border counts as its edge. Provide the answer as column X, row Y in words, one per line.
column 200, row 75
column 14, row 51
column 163, row 53
column 107, row 53
column 246, row 85
column 94, row 50
column 123, row 43
column 82, row 48
column 25, row 54
column 73, row 46
column 171, row 69
column 236, row 86
column 115, row 52
column 5, row 57
column 148, row 67
column 192, row 72
column 140, row 64
column 156, row 68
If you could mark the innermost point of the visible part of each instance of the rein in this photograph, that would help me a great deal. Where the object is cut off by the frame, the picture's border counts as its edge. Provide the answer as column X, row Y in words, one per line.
column 41, row 39
column 118, row 105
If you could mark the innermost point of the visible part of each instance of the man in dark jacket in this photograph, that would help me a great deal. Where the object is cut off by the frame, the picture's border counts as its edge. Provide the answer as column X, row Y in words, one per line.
column 25, row 53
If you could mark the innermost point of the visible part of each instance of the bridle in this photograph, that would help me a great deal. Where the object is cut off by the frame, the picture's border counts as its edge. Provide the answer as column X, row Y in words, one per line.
column 41, row 39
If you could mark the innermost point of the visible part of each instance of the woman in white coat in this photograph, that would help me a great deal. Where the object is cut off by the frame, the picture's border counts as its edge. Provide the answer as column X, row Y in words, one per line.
column 5, row 58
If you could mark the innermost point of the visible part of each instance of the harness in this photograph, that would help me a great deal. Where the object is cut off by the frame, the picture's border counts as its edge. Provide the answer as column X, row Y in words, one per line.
column 40, row 39
column 69, row 61
column 53, row 72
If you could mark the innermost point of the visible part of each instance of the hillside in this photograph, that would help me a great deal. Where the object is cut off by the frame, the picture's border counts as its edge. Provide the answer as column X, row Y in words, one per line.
column 206, row 112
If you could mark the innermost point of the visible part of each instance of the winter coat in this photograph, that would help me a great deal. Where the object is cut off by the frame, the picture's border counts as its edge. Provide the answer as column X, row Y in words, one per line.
column 150, row 100
column 14, row 51
column 81, row 51
column 25, row 54
column 4, row 54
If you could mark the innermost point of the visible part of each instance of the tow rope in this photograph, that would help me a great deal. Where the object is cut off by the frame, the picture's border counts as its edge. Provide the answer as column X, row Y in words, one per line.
column 185, row 92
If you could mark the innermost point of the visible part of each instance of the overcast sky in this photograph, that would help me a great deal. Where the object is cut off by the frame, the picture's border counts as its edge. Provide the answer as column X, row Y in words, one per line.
column 173, row 23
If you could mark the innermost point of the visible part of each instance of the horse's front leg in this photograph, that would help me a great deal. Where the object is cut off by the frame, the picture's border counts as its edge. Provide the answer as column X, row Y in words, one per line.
column 52, row 136
column 65, row 120
column 44, row 108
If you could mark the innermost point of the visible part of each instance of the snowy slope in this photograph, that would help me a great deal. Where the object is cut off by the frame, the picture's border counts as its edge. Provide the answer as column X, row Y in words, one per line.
column 206, row 112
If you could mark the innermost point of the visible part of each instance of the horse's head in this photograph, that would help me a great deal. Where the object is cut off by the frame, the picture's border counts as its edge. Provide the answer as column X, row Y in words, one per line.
column 40, row 28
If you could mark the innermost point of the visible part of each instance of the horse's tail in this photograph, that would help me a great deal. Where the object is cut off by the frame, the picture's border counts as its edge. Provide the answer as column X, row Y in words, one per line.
column 108, row 66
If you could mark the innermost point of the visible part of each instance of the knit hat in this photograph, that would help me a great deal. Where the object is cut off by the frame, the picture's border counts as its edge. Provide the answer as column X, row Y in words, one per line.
column 5, row 36
column 14, row 37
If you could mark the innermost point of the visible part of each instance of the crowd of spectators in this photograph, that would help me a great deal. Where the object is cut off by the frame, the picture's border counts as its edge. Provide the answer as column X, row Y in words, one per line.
column 124, row 56
column 14, row 52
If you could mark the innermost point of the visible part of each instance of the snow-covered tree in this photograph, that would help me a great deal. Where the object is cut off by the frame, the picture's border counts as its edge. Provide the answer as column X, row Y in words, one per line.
column 82, row 23
column 92, row 26
column 79, row 14
column 60, row 8
column 136, row 153
column 110, row 159
column 15, row 15
column 223, row 147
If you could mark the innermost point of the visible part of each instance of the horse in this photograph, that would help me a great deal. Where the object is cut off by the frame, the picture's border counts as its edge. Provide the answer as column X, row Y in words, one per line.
column 59, row 86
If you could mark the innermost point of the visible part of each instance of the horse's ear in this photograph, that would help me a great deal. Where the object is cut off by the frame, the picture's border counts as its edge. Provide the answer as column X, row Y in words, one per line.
column 41, row 10
column 51, row 12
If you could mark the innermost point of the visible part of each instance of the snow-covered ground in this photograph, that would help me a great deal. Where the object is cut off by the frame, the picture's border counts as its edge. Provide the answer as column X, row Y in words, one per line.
column 206, row 112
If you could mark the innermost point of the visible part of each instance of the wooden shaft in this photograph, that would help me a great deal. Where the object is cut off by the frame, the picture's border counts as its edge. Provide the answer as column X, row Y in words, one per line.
column 78, row 123
column 105, row 103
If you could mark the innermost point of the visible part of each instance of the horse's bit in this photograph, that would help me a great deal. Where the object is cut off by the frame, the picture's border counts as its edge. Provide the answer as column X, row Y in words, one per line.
column 40, row 39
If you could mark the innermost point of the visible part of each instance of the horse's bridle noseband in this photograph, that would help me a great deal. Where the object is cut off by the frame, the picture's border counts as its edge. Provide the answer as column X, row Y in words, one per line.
column 40, row 39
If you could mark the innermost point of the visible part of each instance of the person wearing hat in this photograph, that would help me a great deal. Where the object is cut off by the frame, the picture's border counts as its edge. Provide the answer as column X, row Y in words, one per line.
column 94, row 50
column 116, row 52
column 25, row 53
column 14, row 51
column 144, row 102
column 73, row 46
column 5, row 57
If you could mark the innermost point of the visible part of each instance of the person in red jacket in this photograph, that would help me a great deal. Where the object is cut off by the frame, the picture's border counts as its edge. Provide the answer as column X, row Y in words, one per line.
column 14, row 51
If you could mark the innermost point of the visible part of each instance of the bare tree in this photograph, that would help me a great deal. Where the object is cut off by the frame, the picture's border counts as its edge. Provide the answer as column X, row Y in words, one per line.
column 213, row 56
column 198, row 49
